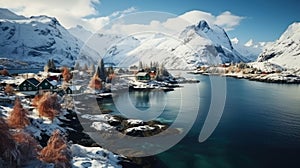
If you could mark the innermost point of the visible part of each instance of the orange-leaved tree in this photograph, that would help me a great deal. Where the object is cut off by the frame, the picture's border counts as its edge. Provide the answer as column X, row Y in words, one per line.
column 48, row 106
column 4, row 72
column 9, row 90
column 95, row 83
column 27, row 146
column 8, row 150
column 36, row 100
column 56, row 151
column 66, row 74
column 19, row 116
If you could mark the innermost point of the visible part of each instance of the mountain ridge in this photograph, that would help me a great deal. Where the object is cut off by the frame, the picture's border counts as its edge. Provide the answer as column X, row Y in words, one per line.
column 37, row 39
column 286, row 50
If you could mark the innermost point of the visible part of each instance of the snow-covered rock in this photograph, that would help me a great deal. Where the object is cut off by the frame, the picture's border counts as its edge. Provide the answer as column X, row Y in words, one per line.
column 93, row 157
column 286, row 50
column 37, row 39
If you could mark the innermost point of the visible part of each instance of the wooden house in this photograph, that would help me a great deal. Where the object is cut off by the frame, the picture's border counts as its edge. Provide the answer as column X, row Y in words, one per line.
column 74, row 89
column 30, row 84
column 142, row 76
column 46, row 85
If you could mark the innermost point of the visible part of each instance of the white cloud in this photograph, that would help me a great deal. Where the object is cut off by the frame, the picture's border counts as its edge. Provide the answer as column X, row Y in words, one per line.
column 175, row 24
column 228, row 21
column 68, row 12
column 249, row 43
column 83, row 12
column 234, row 40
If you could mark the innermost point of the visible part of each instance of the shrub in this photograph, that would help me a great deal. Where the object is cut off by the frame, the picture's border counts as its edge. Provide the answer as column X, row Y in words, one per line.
column 56, row 151
column 18, row 117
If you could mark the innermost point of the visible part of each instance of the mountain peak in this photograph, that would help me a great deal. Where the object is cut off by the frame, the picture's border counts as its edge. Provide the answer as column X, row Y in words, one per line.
column 46, row 19
column 203, row 26
column 7, row 14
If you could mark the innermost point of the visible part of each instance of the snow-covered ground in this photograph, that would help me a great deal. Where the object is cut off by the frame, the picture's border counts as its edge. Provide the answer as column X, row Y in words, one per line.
column 93, row 157
column 82, row 157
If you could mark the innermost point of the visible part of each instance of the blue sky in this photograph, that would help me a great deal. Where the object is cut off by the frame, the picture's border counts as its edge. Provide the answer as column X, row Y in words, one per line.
column 254, row 19
column 263, row 20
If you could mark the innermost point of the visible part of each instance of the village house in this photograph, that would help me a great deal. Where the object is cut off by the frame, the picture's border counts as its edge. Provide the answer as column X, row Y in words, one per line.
column 142, row 76
column 73, row 89
column 46, row 84
column 32, row 84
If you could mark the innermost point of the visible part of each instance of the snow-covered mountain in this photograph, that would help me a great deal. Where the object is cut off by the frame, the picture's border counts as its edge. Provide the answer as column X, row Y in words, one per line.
column 250, row 49
column 37, row 39
column 195, row 45
column 286, row 50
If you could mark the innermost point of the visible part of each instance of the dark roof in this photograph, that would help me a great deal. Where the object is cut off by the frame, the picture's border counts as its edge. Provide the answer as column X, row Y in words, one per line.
column 33, row 81
column 47, row 80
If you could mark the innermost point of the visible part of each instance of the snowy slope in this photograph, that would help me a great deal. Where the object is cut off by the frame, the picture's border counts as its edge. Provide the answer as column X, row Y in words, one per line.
column 286, row 50
column 37, row 39
column 6, row 14
column 195, row 45
column 250, row 49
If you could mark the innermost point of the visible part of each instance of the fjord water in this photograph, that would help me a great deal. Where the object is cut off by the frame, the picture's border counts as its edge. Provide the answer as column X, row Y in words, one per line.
column 260, row 127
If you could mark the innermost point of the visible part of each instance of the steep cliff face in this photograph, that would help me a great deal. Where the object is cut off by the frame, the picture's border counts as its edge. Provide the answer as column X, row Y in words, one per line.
column 286, row 50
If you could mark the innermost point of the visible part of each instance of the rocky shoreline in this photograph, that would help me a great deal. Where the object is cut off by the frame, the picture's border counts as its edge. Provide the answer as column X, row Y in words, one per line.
column 86, row 121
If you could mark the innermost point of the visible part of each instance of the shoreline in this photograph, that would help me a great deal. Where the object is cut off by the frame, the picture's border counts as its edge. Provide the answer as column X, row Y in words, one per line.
column 266, row 78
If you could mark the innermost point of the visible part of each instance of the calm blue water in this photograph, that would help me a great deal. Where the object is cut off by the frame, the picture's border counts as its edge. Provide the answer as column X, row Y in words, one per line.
column 260, row 126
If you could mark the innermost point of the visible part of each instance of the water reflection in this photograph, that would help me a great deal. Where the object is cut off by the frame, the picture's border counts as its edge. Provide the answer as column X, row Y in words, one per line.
column 143, row 100
column 140, row 99
column 144, row 105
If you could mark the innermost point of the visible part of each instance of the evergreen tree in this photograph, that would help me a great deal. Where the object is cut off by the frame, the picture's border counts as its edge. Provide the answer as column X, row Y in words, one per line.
column 92, row 69
column 110, row 70
column 140, row 65
column 85, row 67
column 101, row 70
column 52, row 64
column 77, row 66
